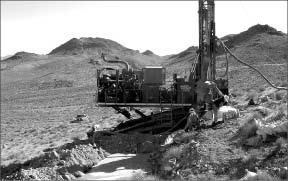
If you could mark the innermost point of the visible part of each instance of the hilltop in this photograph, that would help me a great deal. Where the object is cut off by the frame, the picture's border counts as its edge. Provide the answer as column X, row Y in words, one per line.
column 236, row 39
column 20, row 55
column 93, row 47
column 89, row 46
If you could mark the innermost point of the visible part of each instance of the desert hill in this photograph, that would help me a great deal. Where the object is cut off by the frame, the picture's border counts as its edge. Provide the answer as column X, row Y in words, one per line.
column 88, row 45
column 93, row 47
column 148, row 52
column 21, row 55
column 261, row 38
column 76, row 60
column 17, row 58
column 181, row 63
column 6, row 57
column 235, row 39
column 260, row 45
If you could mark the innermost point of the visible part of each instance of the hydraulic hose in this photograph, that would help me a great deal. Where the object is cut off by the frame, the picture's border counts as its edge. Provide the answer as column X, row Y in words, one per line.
column 226, row 57
column 236, row 58
column 115, row 61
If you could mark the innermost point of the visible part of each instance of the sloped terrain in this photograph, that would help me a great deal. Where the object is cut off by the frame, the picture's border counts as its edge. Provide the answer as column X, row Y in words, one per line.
column 236, row 39
column 223, row 154
column 41, row 94
column 261, row 46
column 181, row 63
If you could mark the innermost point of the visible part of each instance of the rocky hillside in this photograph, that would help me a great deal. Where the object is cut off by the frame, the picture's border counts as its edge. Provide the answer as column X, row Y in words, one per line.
column 17, row 58
column 21, row 55
column 181, row 63
column 260, row 45
column 236, row 39
column 6, row 57
column 76, row 60
column 263, row 47
column 255, row 40
column 89, row 46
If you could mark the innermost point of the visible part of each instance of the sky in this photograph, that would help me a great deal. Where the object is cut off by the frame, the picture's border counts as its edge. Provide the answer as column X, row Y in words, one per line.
column 164, row 27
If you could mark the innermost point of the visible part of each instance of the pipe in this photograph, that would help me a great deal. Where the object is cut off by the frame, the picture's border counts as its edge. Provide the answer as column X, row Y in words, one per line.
column 115, row 61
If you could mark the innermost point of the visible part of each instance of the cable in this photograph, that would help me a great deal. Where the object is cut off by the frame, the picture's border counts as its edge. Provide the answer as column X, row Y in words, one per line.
column 226, row 57
column 234, row 56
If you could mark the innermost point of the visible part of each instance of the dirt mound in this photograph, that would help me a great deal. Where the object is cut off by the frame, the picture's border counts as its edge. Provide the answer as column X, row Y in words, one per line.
column 66, row 161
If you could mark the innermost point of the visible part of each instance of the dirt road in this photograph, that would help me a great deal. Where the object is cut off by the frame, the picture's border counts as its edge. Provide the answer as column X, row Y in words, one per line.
column 119, row 167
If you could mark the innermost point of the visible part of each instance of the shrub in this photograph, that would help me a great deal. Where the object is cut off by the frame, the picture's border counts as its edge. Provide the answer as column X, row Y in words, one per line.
column 278, row 96
column 251, row 95
column 249, row 127
column 173, row 152
column 275, row 116
column 261, row 89
column 263, row 112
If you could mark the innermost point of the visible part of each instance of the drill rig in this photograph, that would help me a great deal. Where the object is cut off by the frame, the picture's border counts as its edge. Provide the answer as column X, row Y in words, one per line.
column 148, row 87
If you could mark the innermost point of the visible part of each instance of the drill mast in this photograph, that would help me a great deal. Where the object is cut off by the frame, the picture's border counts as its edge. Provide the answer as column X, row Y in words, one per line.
column 207, row 68
column 148, row 86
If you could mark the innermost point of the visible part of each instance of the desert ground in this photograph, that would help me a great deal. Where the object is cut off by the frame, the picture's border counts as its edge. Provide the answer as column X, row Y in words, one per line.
column 41, row 94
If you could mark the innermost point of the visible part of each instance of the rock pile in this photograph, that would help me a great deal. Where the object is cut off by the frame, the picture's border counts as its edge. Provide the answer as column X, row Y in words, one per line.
column 60, row 164
column 180, row 157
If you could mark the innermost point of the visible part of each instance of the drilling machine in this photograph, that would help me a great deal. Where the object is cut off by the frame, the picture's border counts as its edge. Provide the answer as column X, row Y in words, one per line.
column 148, row 87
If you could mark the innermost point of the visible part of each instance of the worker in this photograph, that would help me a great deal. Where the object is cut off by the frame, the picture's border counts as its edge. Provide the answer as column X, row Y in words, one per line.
column 217, row 103
column 205, row 96
column 96, row 136
column 193, row 121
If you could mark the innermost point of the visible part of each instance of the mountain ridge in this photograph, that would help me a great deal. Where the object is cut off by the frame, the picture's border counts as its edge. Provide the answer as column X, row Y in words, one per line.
column 85, row 47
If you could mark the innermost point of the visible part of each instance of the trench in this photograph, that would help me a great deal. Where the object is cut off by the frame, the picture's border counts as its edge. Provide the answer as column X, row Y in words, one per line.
column 131, row 144
column 162, row 122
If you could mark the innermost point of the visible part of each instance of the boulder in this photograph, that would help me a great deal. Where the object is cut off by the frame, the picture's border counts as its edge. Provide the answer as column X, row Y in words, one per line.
column 78, row 174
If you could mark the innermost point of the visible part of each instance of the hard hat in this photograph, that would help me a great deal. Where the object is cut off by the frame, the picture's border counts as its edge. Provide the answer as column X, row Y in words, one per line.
column 191, row 110
column 210, row 83
column 107, row 75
